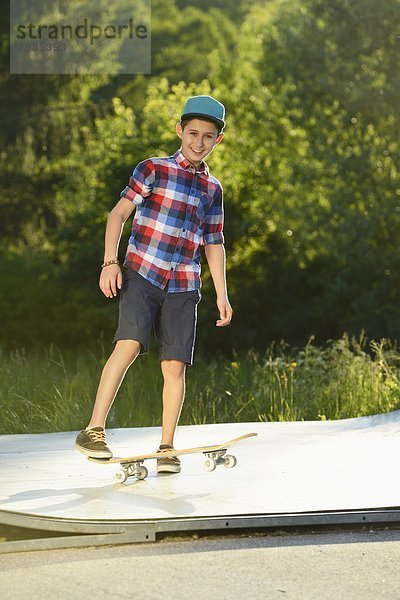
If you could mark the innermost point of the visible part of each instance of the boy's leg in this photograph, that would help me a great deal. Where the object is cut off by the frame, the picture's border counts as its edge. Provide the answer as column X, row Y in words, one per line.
column 173, row 396
column 92, row 441
column 176, row 331
column 123, row 355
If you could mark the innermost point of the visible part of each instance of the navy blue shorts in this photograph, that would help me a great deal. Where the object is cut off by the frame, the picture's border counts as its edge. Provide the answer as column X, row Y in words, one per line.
column 143, row 305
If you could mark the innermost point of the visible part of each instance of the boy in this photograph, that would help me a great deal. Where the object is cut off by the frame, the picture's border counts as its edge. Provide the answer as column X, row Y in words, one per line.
column 179, row 206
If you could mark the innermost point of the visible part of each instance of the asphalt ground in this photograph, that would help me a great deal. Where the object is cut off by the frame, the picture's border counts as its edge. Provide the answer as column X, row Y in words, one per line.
column 339, row 564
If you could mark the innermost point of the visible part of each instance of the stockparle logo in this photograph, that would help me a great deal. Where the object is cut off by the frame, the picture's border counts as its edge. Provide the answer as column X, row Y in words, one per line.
column 62, row 37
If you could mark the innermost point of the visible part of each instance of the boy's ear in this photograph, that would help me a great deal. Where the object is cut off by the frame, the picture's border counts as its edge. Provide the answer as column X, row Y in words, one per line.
column 179, row 130
column 219, row 138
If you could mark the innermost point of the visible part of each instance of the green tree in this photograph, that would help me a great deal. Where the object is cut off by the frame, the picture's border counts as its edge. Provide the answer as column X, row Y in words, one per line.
column 312, row 171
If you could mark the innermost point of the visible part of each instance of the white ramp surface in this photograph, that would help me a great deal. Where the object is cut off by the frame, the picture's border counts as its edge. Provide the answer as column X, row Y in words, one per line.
column 290, row 467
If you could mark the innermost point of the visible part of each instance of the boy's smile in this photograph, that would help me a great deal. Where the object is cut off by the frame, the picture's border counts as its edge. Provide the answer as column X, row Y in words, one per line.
column 198, row 139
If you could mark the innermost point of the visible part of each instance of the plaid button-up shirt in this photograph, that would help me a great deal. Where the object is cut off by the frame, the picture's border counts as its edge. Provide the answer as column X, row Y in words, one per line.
column 178, row 208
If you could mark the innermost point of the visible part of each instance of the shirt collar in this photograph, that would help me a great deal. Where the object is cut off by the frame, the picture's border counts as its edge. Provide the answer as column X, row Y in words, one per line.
column 187, row 165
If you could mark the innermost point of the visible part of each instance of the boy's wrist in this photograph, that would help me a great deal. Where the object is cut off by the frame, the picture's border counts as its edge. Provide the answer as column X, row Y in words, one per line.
column 113, row 261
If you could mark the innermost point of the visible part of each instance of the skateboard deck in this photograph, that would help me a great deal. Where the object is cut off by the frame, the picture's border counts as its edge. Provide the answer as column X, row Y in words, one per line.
column 132, row 466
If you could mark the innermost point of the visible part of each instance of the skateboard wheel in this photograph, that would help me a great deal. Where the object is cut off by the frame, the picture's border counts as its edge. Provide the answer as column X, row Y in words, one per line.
column 121, row 476
column 142, row 473
column 210, row 464
column 230, row 461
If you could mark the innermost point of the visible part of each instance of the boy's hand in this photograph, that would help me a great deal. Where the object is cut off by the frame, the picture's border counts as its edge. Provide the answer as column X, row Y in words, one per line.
column 225, row 312
column 110, row 279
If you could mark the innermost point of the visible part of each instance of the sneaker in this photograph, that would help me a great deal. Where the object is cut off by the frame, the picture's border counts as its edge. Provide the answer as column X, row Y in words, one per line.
column 169, row 464
column 92, row 442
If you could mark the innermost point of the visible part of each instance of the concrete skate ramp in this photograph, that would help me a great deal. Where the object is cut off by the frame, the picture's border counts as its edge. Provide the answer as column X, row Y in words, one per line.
column 290, row 469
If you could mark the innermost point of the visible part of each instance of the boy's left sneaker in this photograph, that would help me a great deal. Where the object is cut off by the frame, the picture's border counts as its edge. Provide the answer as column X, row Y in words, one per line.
column 168, row 464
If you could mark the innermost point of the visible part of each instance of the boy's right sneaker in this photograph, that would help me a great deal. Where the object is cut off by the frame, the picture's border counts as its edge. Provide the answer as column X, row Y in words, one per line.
column 168, row 464
column 92, row 442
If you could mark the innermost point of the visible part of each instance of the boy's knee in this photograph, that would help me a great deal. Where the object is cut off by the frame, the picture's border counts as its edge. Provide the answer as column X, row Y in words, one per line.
column 128, row 348
column 173, row 368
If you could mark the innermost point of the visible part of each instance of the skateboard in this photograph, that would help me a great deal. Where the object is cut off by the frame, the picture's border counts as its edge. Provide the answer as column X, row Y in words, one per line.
column 132, row 466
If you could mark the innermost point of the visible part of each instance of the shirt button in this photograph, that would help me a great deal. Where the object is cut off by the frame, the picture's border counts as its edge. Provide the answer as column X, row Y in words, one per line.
column 183, row 230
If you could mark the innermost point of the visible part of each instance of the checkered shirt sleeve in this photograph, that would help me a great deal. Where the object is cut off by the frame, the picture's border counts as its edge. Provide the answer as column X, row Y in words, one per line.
column 140, row 182
column 214, row 220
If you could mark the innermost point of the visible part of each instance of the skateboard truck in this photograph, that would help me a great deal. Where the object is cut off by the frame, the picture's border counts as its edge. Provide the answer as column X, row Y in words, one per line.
column 131, row 469
column 219, row 457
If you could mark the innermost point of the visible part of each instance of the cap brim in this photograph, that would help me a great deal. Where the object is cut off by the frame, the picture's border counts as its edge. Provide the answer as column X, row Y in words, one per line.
column 214, row 119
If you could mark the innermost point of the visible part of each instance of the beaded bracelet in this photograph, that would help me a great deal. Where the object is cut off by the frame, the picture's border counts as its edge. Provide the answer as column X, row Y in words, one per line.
column 110, row 262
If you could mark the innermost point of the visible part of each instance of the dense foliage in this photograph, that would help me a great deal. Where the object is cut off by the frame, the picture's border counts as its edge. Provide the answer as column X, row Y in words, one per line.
column 310, row 167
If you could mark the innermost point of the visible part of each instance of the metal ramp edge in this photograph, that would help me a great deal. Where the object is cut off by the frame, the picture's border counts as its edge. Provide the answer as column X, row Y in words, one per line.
column 87, row 533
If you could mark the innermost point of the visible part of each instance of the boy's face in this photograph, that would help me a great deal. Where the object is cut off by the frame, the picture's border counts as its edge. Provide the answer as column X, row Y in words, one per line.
column 198, row 139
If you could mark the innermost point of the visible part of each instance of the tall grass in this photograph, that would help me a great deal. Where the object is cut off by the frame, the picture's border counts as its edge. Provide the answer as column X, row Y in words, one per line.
column 54, row 390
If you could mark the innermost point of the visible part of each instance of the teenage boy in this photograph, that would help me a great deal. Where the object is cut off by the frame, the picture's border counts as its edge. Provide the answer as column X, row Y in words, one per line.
column 179, row 207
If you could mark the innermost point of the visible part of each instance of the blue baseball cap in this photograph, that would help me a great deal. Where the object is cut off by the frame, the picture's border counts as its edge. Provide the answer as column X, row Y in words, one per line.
column 205, row 106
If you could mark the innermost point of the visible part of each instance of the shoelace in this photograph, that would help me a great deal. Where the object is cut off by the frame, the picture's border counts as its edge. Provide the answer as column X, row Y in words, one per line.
column 171, row 458
column 96, row 436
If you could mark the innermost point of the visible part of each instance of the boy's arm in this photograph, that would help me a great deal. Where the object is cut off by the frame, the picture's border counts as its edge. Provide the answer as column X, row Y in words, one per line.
column 215, row 254
column 139, row 187
column 111, row 276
